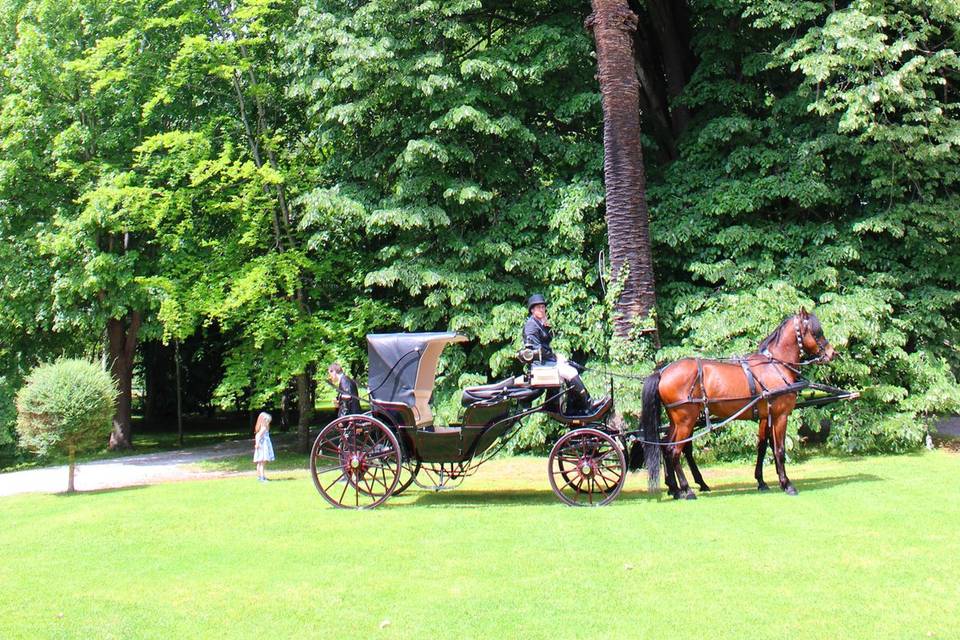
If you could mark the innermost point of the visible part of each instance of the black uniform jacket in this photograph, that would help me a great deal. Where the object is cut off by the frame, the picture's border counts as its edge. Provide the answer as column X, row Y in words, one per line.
column 536, row 335
column 348, row 397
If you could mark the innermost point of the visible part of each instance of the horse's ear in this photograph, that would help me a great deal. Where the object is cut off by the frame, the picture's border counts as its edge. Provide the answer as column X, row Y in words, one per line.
column 803, row 312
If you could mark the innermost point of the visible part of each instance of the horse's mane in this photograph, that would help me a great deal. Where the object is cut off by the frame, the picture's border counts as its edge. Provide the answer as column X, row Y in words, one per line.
column 773, row 337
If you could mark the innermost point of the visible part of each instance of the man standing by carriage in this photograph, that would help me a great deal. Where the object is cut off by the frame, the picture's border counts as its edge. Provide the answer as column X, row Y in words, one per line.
column 348, row 395
column 537, row 334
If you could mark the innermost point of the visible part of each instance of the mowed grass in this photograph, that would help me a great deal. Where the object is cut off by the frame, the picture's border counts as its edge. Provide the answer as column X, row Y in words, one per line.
column 869, row 549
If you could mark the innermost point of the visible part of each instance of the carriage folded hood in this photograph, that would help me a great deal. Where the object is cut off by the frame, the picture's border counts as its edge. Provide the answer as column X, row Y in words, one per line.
column 403, row 367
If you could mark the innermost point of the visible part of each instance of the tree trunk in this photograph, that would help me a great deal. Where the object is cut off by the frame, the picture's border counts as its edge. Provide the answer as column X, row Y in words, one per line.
column 72, row 465
column 305, row 405
column 285, row 410
column 631, row 264
column 122, row 338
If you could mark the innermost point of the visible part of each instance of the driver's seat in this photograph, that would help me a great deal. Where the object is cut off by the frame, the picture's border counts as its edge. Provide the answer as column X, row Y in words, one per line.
column 485, row 392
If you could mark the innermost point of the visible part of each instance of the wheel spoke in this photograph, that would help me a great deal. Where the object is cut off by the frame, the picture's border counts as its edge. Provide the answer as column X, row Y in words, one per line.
column 335, row 480
column 610, row 483
column 576, row 452
column 374, row 477
column 368, row 485
column 383, row 470
column 329, row 469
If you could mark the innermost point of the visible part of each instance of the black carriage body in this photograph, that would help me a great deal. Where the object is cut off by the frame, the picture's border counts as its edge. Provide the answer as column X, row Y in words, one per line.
column 403, row 369
column 452, row 444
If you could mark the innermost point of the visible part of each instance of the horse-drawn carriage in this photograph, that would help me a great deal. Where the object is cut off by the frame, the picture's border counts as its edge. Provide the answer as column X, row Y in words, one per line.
column 359, row 461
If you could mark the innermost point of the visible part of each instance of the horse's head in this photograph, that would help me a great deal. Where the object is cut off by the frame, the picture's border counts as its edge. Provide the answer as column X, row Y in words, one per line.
column 810, row 336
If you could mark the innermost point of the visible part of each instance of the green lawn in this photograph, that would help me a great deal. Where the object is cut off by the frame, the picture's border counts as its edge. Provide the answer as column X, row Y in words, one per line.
column 870, row 548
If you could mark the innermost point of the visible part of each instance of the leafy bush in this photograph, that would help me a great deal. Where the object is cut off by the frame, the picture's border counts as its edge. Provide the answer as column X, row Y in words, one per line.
column 65, row 406
column 8, row 414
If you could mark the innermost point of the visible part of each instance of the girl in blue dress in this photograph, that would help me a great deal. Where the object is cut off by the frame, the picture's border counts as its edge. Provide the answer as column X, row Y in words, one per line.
column 262, row 447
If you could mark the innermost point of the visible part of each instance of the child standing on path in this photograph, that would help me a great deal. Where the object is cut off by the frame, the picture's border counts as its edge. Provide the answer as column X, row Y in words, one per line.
column 262, row 447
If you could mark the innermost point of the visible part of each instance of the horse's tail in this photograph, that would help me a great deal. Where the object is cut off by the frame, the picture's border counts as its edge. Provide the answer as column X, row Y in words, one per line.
column 650, row 421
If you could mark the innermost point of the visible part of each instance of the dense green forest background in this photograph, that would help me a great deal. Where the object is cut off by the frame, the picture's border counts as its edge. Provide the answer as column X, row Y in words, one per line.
column 263, row 182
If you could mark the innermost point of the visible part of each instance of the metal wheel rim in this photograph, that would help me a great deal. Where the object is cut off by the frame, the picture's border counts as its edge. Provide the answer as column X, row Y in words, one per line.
column 355, row 462
column 587, row 468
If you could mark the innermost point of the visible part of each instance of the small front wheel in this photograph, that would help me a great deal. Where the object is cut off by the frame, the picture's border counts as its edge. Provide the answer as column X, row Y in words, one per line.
column 355, row 462
column 587, row 468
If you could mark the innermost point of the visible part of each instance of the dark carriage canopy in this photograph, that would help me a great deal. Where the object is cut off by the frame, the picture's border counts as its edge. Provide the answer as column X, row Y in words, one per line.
column 403, row 368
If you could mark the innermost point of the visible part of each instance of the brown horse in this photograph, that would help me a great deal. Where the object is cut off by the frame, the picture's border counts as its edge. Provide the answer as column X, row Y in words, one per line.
column 691, row 387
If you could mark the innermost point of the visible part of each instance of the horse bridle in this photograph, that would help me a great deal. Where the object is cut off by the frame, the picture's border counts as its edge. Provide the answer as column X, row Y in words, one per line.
column 819, row 338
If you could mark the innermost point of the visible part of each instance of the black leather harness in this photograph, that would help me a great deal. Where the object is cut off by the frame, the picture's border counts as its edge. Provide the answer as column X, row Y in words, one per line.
column 752, row 383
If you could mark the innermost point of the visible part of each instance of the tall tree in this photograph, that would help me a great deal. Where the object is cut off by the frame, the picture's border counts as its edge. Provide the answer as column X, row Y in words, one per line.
column 613, row 25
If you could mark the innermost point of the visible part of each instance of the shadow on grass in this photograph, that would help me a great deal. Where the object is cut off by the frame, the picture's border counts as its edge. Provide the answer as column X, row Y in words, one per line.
column 460, row 499
column 811, row 484
column 466, row 499
column 92, row 492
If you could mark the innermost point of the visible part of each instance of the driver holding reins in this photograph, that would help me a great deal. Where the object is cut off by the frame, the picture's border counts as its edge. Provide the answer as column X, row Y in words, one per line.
column 537, row 334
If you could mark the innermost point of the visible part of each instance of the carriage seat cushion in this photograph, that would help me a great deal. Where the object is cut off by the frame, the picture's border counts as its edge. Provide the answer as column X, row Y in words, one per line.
column 502, row 391
column 485, row 392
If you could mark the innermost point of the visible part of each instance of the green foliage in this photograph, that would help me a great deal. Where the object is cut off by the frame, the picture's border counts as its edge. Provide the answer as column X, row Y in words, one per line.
column 8, row 415
column 297, row 173
column 826, row 175
column 469, row 149
column 65, row 405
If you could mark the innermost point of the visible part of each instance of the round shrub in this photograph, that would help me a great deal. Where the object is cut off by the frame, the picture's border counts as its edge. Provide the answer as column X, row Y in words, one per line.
column 66, row 405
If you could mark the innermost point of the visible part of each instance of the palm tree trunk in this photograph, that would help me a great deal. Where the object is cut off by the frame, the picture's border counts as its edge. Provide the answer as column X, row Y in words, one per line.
column 628, row 235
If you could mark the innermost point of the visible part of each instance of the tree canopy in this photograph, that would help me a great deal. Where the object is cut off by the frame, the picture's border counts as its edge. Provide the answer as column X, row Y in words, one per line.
column 284, row 176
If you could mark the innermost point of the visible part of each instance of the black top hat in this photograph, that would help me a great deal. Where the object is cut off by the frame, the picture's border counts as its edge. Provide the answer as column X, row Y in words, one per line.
column 535, row 299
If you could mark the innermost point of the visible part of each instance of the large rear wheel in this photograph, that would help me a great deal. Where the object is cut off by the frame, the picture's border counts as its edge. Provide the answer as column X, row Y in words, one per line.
column 355, row 462
column 587, row 468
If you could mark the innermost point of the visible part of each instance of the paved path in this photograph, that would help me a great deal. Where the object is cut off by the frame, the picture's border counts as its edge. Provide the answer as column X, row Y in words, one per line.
column 149, row 468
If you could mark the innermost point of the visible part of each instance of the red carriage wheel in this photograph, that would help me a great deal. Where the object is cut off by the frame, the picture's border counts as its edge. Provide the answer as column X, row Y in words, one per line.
column 587, row 468
column 408, row 472
column 355, row 462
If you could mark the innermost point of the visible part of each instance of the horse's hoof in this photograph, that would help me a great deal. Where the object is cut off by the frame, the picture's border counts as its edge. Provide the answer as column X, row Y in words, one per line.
column 791, row 490
column 691, row 495
column 763, row 488
column 676, row 495
column 704, row 488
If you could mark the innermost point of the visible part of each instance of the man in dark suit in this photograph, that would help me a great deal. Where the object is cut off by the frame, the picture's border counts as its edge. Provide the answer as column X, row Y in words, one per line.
column 348, row 396
column 537, row 334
